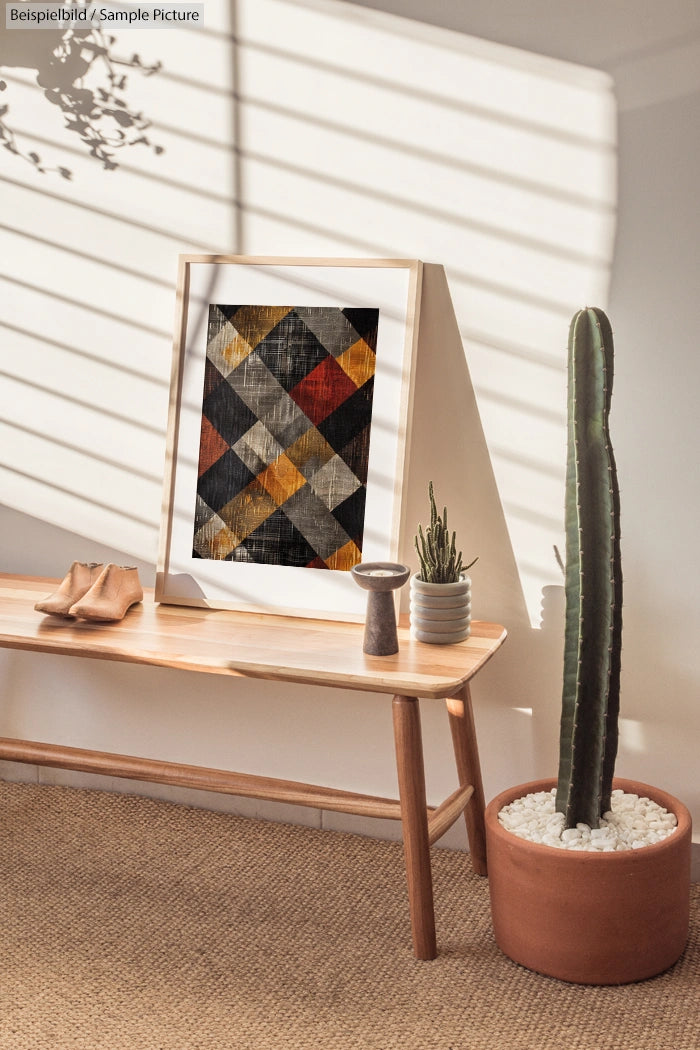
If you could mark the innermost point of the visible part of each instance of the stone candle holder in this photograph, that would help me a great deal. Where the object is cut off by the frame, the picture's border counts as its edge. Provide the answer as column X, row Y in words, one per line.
column 380, row 578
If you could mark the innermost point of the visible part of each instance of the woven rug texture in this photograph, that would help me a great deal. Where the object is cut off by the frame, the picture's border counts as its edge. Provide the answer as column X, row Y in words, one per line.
column 132, row 924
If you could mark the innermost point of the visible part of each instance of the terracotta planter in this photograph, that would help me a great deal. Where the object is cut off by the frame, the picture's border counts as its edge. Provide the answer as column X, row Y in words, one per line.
column 441, row 612
column 590, row 918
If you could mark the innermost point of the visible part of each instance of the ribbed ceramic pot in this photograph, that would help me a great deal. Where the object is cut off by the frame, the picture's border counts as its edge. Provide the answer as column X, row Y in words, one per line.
column 441, row 613
column 587, row 917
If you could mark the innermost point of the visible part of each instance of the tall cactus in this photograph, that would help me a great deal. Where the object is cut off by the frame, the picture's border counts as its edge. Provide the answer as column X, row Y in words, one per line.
column 593, row 635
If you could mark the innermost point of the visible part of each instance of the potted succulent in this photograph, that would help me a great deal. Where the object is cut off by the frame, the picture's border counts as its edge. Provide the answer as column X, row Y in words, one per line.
column 441, row 591
column 570, row 902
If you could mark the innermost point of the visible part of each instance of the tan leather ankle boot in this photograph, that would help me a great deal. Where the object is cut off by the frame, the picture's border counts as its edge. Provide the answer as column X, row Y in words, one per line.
column 114, row 591
column 77, row 581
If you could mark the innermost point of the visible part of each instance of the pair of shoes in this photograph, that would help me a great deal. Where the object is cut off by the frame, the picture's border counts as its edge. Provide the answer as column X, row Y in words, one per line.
column 92, row 591
column 77, row 581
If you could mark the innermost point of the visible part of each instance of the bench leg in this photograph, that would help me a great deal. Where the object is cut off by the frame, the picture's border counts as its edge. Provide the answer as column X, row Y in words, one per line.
column 469, row 771
column 414, row 817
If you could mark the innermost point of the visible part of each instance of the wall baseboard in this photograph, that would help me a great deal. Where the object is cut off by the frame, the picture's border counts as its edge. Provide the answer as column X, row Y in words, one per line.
column 255, row 809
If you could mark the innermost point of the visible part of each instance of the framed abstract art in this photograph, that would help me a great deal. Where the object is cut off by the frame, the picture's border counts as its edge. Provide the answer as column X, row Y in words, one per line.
column 291, row 393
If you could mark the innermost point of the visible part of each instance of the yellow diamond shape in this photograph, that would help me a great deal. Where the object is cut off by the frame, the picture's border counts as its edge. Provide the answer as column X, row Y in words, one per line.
column 281, row 479
column 311, row 446
column 345, row 557
column 358, row 362
column 221, row 544
column 255, row 322
column 247, row 510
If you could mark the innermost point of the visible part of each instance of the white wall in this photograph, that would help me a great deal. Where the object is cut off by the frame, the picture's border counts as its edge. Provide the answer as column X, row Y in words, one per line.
column 544, row 169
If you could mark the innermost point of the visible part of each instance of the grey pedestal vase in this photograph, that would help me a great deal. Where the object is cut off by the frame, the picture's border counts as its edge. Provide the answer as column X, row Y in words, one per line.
column 380, row 579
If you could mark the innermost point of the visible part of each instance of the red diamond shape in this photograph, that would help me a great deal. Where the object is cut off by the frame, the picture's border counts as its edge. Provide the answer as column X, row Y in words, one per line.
column 323, row 390
column 211, row 446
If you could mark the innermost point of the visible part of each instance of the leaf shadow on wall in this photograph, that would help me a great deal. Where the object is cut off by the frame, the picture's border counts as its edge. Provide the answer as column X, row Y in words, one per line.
column 66, row 62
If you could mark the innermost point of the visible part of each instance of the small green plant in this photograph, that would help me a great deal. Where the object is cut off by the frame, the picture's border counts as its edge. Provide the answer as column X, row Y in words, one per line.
column 437, row 550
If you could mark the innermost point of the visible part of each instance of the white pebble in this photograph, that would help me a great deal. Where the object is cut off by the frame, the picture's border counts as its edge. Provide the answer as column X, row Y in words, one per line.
column 631, row 823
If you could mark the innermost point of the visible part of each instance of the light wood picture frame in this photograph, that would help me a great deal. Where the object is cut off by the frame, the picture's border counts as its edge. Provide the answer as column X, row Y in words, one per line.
column 290, row 403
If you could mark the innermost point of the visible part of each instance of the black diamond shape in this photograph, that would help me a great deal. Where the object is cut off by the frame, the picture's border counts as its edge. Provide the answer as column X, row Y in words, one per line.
column 212, row 379
column 224, row 479
column 356, row 454
column 290, row 351
column 218, row 310
column 341, row 426
column 278, row 542
column 350, row 514
column 364, row 320
column 227, row 413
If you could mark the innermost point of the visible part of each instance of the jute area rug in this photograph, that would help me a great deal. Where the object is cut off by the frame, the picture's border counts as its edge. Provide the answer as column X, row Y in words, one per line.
column 129, row 923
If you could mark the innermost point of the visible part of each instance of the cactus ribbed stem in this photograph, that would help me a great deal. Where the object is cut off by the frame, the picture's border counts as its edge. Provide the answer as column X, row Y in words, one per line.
column 593, row 636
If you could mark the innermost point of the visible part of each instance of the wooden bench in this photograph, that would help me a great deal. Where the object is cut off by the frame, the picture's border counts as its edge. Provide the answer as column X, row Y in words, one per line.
column 283, row 649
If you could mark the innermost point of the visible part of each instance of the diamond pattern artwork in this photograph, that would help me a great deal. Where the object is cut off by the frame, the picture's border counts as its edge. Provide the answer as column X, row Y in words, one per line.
column 284, row 445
